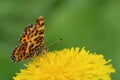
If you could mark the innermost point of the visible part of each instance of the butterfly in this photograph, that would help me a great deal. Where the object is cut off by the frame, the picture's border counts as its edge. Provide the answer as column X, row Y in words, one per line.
column 31, row 41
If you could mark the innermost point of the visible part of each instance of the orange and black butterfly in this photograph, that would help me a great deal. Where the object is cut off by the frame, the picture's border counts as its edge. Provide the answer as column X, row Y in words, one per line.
column 31, row 41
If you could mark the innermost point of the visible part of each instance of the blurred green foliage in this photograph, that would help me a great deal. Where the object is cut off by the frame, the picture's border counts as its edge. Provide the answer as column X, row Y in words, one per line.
column 94, row 24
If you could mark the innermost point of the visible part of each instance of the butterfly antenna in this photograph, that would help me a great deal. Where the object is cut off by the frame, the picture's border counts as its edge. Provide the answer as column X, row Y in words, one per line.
column 51, row 44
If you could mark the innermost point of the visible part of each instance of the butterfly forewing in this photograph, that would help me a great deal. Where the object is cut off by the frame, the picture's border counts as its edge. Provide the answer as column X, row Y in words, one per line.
column 31, row 41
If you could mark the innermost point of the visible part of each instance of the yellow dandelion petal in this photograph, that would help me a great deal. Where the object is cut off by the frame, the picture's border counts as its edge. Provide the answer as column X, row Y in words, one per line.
column 67, row 64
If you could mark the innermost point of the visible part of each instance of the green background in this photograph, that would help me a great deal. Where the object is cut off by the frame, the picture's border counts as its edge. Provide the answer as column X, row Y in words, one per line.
column 94, row 24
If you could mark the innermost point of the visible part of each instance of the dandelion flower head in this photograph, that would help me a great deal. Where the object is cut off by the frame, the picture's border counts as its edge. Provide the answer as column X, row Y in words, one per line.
column 67, row 64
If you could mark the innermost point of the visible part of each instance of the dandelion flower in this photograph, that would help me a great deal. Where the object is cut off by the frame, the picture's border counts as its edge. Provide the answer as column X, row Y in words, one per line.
column 67, row 64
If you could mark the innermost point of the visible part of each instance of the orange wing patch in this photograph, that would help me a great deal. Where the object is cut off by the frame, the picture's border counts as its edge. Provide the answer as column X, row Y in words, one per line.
column 32, row 41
